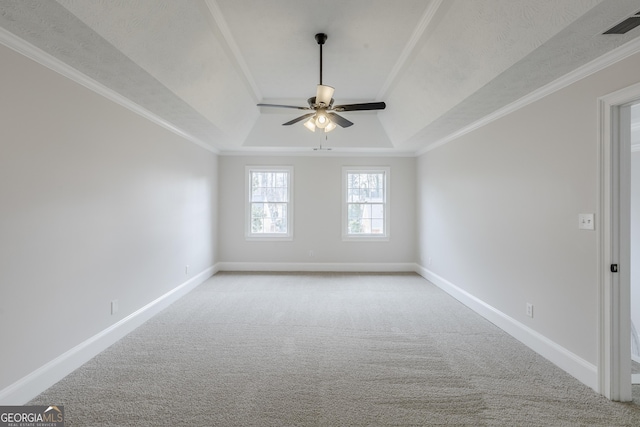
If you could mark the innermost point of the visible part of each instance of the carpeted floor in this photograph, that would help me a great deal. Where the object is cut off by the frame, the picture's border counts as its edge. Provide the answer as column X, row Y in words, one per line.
column 325, row 350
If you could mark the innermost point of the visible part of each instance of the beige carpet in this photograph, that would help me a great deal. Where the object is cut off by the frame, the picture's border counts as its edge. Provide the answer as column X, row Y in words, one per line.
column 325, row 350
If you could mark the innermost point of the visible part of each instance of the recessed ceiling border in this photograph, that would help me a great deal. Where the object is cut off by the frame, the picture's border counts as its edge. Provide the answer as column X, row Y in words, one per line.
column 409, row 48
column 36, row 54
column 220, row 26
column 630, row 48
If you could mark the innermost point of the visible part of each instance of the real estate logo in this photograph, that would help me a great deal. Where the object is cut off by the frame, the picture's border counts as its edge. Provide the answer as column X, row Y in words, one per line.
column 31, row 416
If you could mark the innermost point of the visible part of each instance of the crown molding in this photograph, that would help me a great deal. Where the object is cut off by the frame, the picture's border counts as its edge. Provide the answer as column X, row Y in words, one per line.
column 315, row 152
column 598, row 64
column 36, row 54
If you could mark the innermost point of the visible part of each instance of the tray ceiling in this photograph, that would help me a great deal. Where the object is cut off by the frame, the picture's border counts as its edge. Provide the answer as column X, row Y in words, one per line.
column 201, row 66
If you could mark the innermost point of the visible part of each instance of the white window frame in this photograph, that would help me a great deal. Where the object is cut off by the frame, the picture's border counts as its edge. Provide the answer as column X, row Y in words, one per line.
column 386, row 170
column 249, row 234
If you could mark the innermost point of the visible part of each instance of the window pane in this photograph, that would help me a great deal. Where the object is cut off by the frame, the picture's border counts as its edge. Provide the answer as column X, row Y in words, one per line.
column 365, row 187
column 275, row 218
column 376, row 185
column 377, row 211
column 259, row 179
column 366, row 211
column 257, row 214
column 265, row 188
column 377, row 226
column 352, row 180
column 277, row 194
column 366, row 226
column 355, row 226
column 355, row 211
column 257, row 194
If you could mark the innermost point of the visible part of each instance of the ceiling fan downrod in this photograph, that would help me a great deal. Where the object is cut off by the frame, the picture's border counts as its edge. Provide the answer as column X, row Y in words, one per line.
column 321, row 38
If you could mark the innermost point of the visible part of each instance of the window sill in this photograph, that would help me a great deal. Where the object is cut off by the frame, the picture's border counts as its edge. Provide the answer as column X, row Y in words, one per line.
column 269, row 238
column 366, row 238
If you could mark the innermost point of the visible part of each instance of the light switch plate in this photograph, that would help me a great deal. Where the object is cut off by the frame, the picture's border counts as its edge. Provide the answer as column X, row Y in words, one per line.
column 586, row 222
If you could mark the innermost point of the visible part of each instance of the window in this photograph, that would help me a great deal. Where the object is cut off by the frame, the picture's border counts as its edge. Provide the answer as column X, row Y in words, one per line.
column 365, row 203
column 269, row 202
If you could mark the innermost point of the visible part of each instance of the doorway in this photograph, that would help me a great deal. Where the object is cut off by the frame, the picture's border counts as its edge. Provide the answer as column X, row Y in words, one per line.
column 617, row 327
column 635, row 248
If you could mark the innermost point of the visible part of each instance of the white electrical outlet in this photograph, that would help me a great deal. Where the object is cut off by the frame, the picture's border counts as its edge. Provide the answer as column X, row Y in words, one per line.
column 114, row 306
column 429, row 261
column 186, row 270
column 529, row 309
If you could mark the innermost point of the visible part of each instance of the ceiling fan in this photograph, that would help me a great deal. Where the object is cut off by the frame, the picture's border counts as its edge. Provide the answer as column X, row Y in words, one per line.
column 324, row 112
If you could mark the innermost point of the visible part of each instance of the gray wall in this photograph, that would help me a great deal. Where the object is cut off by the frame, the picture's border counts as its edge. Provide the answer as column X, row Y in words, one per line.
column 317, row 211
column 498, row 211
column 96, row 204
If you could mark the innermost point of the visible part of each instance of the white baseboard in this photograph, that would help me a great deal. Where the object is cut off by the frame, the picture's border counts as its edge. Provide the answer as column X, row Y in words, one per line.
column 584, row 371
column 390, row 267
column 47, row 375
column 44, row 377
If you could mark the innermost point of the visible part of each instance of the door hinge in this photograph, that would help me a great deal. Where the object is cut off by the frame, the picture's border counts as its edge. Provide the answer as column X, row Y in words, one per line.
column 614, row 268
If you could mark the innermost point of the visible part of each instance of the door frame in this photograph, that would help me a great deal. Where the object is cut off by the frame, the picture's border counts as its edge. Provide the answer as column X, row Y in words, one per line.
column 614, row 356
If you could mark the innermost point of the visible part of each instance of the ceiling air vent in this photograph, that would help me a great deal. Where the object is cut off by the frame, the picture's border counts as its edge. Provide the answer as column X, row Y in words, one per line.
column 625, row 26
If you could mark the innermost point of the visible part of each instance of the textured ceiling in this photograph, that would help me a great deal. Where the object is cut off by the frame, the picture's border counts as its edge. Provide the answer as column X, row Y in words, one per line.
column 202, row 65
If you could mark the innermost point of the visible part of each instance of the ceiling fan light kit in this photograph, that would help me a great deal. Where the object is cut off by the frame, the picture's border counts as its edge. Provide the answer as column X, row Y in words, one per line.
column 324, row 116
column 310, row 124
column 330, row 126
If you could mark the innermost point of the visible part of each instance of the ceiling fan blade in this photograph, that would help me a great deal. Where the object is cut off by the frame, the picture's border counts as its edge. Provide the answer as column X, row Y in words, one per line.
column 283, row 106
column 339, row 120
column 361, row 107
column 298, row 119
